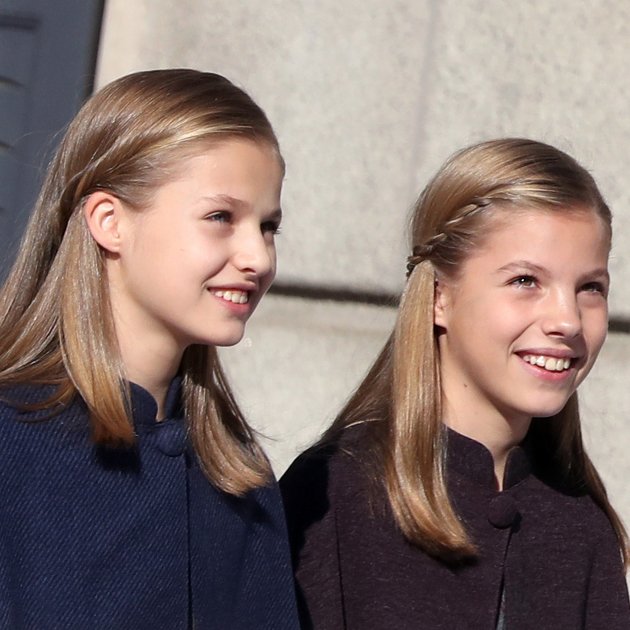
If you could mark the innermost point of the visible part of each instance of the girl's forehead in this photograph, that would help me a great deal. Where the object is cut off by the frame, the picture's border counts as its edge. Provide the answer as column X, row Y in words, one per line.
column 544, row 234
column 512, row 217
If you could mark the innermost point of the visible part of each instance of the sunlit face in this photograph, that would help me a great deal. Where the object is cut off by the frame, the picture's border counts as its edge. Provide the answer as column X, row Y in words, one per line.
column 196, row 262
column 524, row 321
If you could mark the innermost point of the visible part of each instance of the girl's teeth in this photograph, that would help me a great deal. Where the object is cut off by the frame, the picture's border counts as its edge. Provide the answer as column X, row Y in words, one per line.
column 549, row 363
column 236, row 297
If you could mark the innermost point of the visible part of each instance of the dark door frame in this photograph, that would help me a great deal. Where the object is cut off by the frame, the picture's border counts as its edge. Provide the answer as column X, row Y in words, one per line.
column 48, row 51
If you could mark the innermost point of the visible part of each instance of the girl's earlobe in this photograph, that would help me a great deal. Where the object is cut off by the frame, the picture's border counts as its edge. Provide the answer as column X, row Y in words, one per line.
column 103, row 214
column 440, row 303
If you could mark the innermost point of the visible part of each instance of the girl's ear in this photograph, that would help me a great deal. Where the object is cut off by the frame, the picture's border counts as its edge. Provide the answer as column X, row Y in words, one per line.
column 104, row 214
column 441, row 304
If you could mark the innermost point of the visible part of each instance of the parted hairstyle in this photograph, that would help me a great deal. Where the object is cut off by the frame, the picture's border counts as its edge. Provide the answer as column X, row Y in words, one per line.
column 56, row 323
column 400, row 398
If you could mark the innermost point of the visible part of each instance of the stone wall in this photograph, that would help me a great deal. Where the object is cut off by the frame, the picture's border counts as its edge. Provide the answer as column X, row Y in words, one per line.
column 368, row 98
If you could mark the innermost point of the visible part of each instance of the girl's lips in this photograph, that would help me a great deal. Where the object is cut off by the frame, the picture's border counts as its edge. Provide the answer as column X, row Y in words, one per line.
column 548, row 368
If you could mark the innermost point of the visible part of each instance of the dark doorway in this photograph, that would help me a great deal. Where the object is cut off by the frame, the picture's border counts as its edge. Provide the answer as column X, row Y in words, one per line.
column 47, row 60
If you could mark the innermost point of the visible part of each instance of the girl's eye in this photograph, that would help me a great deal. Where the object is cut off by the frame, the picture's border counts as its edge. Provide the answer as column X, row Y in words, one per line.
column 524, row 281
column 222, row 216
column 595, row 287
column 270, row 227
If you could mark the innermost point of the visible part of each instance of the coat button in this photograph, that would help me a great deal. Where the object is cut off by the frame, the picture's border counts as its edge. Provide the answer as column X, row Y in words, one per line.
column 171, row 439
column 502, row 511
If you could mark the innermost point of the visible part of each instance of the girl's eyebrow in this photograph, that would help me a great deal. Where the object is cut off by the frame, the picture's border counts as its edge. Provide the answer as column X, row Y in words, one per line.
column 228, row 199
column 275, row 215
column 601, row 274
column 239, row 203
column 519, row 265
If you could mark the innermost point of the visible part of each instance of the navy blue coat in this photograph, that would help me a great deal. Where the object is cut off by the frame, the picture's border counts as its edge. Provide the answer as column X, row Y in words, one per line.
column 139, row 539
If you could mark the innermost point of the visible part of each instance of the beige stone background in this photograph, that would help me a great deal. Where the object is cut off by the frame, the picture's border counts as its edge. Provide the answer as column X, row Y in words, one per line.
column 368, row 97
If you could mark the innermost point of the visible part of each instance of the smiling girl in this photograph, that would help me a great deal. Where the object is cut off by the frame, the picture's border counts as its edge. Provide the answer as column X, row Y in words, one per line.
column 134, row 492
column 453, row 490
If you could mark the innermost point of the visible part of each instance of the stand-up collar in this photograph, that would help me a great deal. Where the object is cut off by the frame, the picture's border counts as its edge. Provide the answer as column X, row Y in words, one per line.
column 474, row 461
column 145, row 408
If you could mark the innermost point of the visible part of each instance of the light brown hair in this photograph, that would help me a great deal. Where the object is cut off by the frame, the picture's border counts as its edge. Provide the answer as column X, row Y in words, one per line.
column 56, row 324
column 401, row 394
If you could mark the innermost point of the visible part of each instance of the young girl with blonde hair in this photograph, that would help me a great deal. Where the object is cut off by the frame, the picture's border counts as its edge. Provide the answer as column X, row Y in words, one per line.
column 134, row 494
column 454, row 491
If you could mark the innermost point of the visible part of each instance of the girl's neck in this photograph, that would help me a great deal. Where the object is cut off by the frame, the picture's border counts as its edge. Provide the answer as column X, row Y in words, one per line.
column 152, row 366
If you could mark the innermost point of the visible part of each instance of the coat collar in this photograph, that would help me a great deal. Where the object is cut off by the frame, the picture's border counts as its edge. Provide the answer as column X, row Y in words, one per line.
column 144, row 407
column 474, row 461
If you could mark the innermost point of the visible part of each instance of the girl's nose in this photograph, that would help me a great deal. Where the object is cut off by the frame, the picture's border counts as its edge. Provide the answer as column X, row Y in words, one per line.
column 254, row 253
column 562, row 315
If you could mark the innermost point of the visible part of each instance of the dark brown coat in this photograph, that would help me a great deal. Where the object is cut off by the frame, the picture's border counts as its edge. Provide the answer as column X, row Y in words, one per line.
column 554, row 554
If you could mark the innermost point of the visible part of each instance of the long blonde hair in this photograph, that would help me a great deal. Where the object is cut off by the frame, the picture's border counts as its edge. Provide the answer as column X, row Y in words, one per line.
column 56, row 324
column 402, row 389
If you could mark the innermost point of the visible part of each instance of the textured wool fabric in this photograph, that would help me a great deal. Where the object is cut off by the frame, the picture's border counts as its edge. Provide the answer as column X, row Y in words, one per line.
column 131, row 539
column 553, row 556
